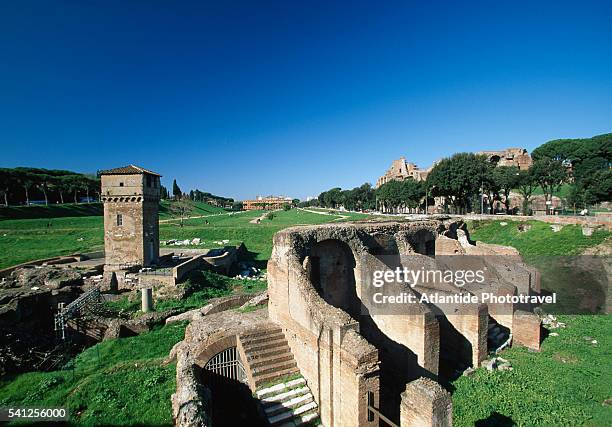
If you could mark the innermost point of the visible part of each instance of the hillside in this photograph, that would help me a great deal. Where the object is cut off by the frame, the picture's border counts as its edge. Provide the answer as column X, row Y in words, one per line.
column 86, row 209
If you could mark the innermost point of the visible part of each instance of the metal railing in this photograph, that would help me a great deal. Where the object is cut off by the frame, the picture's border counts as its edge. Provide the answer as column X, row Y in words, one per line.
column 372, row 411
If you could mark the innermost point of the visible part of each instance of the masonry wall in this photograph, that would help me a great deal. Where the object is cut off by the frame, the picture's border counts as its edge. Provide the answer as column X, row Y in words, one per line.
column 340, row 373
column 123, row 244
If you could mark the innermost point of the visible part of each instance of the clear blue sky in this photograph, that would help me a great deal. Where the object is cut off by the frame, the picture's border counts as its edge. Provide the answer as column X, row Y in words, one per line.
column 286, row 97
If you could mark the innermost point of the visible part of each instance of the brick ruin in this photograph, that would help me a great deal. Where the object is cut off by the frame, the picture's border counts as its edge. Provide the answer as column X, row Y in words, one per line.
column 359, row 367
column 131, row 228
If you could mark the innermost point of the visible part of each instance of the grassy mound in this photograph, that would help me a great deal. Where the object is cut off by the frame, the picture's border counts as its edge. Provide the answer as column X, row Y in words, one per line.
column 116, row 382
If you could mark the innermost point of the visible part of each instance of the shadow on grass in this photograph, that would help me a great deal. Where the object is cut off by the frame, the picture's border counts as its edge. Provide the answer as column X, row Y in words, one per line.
column 251, row 257
column 495, row 420
column 51, row 211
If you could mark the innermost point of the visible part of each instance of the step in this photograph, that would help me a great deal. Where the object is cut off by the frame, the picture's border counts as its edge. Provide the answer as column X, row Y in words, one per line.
column 289, row 404
column 259, row 333
column 307, row 417
column 277, row 388
column 262, row 354
column 260, row 339
column 265, row 346
column 274, row 358
column 264, row 378
column 285, row 395
column 287, row 415
column 273, row 367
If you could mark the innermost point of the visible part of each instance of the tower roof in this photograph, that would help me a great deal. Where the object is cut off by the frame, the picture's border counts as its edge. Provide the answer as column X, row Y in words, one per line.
column 128, row 170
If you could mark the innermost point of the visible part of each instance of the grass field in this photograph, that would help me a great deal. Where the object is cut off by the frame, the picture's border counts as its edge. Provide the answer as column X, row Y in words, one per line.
column 568, row 381
column 116, row 382
column 538, row 240
column 563, row 385
column 29, row 239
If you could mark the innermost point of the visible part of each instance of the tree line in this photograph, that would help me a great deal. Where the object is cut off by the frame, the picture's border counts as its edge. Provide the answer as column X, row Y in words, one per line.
column 195, row 195
column 466, row 182
column 27, row 185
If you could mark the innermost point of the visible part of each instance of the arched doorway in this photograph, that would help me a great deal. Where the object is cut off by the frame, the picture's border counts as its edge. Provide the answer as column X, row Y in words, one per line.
column 226, row 364
column 332, row 274
column 223, row 373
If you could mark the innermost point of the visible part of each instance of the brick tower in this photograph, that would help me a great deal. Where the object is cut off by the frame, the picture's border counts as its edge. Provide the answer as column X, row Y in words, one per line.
column 131, row 225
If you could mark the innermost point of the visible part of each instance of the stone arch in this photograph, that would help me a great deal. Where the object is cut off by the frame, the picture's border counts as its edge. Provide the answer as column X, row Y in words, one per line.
column 232, row 401
column 331, row 271
column 422, row 241
column 210, row 350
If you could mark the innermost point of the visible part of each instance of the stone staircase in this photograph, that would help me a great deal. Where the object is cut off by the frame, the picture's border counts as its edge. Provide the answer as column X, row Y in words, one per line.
column 289, row 403
column 273, row 374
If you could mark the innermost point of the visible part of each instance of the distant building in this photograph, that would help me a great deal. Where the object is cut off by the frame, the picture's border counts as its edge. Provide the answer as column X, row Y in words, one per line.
column 401, row 170
column 131, row 226
column 267, row 203
column 518, row 157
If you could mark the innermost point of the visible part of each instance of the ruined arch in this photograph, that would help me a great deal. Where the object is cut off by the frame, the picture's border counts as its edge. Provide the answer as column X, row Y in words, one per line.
column 331, row 265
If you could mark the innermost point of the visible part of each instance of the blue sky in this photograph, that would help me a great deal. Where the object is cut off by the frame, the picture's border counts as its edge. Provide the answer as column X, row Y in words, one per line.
column 282, row 97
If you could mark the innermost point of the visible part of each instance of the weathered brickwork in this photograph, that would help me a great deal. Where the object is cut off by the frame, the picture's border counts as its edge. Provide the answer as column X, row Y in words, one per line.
column 131, row 225
column 351, row 357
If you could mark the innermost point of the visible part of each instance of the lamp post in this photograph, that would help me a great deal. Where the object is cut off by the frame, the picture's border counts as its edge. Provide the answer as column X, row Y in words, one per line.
column 481, row 196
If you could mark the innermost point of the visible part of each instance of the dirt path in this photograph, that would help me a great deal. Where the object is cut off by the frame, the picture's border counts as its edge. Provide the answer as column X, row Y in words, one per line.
column 200, row 216
column 262, row 217
column 340, row 216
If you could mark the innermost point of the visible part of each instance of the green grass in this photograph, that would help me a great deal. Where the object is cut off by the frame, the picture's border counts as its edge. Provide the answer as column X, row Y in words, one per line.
column 564, row 384
column 51, row 211
column 29, row 239
column 238, row 228
column 563, row 192
column 539, row 240
column 116, row 382
column 55, row 233
column 201, row 287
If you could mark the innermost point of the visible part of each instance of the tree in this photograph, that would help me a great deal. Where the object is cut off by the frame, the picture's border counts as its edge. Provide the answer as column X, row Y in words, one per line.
column 182, row 209
column 26, row 181
column 163, row 192
column 286, row 207
column 176, row 191
column 331, row 198
column 45, row 182
column 460, row 178
column 6, row 179
column 506, row 179
column 549, row 174
column 526, row 184
column 237, row 206
column 74, row 184
column 587, row 160
column 62, row 184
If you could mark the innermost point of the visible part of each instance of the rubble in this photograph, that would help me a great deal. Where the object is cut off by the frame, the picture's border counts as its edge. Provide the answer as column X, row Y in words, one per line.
column 49, row 277
column 259, row 299
column 497, row 364
column 249, row 272
column 523, row 228
column 196, row 241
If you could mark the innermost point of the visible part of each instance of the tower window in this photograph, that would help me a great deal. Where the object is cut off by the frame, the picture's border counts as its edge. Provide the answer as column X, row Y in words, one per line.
column 119, row 220
column 121, row 184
